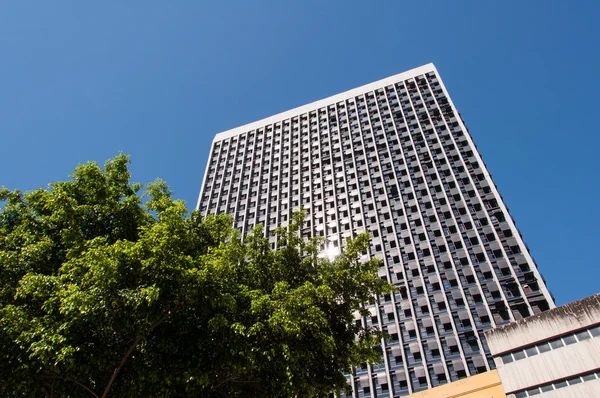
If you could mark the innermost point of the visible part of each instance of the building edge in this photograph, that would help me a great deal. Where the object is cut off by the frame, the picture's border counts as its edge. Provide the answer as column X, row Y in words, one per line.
column 429, row 67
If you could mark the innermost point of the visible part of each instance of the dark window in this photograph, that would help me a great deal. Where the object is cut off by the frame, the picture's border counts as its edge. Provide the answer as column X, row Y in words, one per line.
column 569, row 340
column 531, row 351
column 589, row 377
column 574, row 380
column 556, row 344
column 560, row 384
column 544, row 347
column 584, row 335
column 547, row 388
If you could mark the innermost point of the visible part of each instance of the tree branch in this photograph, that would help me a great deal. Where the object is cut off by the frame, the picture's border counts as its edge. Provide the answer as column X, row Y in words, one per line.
column 232, row 379
column 52, row 388
column 84, row 387
column 132, row 347
column 50, row 393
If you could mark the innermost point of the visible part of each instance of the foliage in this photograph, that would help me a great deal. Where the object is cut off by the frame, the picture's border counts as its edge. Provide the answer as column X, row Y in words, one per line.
column 102, row 294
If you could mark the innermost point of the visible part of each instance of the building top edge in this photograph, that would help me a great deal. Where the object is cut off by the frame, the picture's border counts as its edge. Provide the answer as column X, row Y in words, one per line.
column 430, row 67
column 583, row 308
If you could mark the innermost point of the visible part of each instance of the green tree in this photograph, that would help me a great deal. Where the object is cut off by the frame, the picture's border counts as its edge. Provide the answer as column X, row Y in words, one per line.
column 103, row 294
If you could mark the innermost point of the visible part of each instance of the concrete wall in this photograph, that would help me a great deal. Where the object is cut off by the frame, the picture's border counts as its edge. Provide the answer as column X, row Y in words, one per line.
column 484, row 385
column 552, row 365
column 577, row 358
column 587, row 389
column 544, row 326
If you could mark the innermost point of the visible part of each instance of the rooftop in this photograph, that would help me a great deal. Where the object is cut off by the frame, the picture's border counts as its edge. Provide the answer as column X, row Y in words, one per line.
column 326, row 101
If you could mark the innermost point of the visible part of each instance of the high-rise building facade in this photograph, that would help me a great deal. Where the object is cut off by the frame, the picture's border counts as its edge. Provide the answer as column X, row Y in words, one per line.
column 393, row 158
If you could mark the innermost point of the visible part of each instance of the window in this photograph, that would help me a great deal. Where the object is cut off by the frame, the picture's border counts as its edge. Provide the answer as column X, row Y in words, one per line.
column 507, row 358
column 544, row 347
column 573, row 381
column 556, row 344
column 588, row 377
column 569, row 340
column 531, row 351
column 582, row 336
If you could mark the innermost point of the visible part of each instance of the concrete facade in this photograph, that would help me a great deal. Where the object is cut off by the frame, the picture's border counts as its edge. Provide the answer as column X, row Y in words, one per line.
column 393, row 158
column 553, row 354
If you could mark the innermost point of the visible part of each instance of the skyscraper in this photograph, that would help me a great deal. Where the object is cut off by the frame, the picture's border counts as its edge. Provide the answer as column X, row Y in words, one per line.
column 393, row 158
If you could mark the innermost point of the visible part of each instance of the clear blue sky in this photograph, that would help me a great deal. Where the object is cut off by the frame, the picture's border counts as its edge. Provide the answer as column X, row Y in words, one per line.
column 81, row 81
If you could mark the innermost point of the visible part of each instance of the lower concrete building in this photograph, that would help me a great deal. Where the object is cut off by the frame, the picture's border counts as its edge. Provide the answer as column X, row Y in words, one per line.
column 484, row 385
column 552, row 354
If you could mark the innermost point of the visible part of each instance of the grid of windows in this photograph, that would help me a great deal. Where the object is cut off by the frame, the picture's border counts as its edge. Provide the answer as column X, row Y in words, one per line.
column 555, row 385
column 549, row 345
column 395, row 159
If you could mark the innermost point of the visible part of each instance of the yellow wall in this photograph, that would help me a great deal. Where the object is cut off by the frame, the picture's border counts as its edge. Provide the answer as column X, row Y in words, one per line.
column 484, row 385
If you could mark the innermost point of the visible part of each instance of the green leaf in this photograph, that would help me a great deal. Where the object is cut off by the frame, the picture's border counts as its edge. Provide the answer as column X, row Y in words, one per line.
column 94, row 282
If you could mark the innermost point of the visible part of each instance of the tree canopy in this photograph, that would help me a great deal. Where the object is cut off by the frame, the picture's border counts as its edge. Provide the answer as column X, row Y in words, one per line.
column 108, row 291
